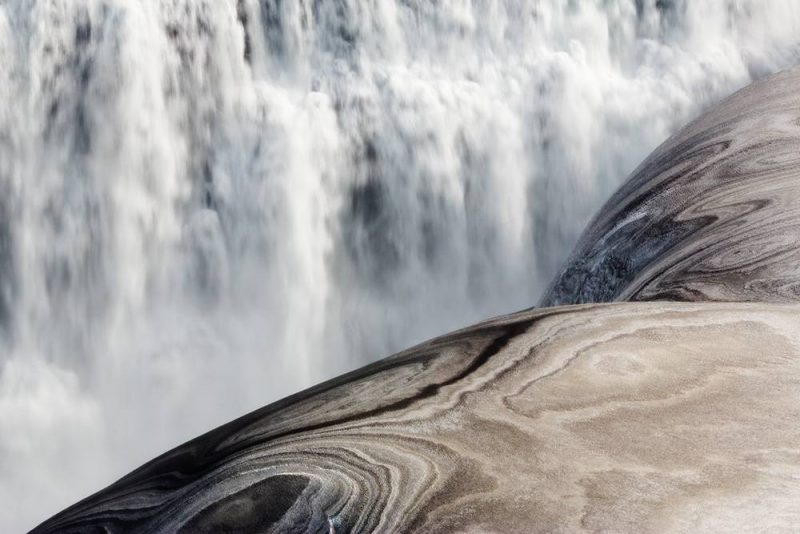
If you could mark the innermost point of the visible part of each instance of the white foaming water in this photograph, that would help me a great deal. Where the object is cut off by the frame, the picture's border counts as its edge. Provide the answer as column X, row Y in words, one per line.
column 206, row 205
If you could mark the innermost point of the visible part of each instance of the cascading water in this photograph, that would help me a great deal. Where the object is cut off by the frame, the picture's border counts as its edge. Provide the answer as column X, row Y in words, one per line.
column 206, row 204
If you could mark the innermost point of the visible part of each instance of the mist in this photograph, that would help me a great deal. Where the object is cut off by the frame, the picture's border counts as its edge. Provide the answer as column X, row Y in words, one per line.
column 207, row 205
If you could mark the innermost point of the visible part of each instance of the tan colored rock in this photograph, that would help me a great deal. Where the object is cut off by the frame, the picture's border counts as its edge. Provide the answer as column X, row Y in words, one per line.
column 609, row 418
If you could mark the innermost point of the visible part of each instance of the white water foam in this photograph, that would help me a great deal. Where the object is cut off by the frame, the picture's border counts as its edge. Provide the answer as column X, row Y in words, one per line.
column 206, row 205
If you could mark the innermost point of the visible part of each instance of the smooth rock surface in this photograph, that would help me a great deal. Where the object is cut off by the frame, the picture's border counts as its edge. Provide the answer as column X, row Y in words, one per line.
column 712, row 215
column 636, row 417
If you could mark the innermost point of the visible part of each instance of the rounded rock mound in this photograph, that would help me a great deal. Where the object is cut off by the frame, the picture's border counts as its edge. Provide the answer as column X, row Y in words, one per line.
column 633, row 417
column 712, row 215
column 626, row 417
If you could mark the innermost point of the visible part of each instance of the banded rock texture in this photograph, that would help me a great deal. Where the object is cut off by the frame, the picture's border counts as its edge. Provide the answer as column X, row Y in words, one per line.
column 712, row 215
column 635, row 417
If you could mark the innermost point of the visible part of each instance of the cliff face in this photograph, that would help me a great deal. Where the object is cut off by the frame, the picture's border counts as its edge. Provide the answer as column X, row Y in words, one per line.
column 638, row 417
column 711, row 215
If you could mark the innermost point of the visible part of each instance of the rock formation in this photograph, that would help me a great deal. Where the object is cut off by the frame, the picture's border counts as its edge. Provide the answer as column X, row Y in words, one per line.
column 634, row 417
column 712, row 214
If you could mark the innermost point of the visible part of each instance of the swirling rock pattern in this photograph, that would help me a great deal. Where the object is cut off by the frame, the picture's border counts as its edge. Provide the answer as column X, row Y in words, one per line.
column 639, row 417
column 712, row 215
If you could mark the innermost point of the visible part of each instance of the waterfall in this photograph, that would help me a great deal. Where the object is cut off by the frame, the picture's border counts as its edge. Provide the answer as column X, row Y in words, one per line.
column 206, row 205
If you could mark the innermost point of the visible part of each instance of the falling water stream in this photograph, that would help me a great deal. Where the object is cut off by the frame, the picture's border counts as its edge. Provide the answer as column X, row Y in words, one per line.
column 206, row 205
